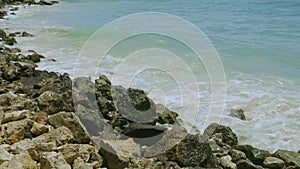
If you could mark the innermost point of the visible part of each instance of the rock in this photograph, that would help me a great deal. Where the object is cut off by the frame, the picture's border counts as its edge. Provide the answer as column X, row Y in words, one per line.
column 2, row 14
column 238, row 113
column 15, row 102
column 117, row 153
column 14, row 116
column 87, row 154
column 13, row 132
column 52, row 102
column 253, row 154
column 190, row 152
column 26, row 34
column 4, row 155
column 80, row 164
column 53, row 160
column 71, row 121
column 141, row 163
column 227, row 135
column 20, row 161
column 227, row 163
column 237, row 155
column 273, row 163
column 289, row 157
column 14, row 34
column 165, row 116
column 38, row 129
column 247, row 164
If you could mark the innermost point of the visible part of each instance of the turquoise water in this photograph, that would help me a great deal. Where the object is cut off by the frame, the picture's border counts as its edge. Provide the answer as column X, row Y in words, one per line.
column 258, row 42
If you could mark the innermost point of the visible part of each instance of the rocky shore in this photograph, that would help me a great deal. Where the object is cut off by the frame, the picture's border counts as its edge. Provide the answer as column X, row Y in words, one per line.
column 49, row 121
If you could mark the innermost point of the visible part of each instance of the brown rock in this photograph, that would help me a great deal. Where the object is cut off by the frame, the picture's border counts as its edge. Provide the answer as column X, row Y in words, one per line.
column 38, row 128
column 20, row 161
column 53, row 160
column 273, row 163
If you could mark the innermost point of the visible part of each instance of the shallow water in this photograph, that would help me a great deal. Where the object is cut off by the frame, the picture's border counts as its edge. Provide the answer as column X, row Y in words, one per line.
column 258, row 43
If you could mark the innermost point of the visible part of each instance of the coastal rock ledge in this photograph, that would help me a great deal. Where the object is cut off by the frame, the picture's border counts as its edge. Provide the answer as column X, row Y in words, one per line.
column 48, row 121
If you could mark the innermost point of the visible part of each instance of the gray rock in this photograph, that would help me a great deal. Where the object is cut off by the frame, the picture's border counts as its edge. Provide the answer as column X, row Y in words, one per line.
column 273, row 163
column 71, row 121
column 80, row 164
column 238, row 113
column 4, row 155
column 53, row 160
column 228, row 136
column 289, row 157
column 227, row 163
column 247, row 164
column 256, row 156
column 237, row 155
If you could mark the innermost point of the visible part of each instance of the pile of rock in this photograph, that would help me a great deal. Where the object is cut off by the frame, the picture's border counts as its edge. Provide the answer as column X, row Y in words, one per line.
column 48, row 121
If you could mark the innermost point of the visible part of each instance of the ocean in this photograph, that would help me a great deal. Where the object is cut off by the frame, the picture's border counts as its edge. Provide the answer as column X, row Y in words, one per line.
column 257, row 42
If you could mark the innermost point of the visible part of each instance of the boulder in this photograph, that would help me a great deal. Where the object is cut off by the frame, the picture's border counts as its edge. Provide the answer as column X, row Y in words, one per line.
column 52, row 102
column 227, row 135
column 273, row 163
column 71, row 121
column 14, row 116
column 20, row 161
column 4, row 155
column 53, row 160
column 26, row 34
column 247, row 164
column 237, row 155
column 227, row 163
column 80, row 164
column 2, row 14
column 165, row 116
column 290, row 158
column 238, row 113
column 39, row 128
column 256, row 156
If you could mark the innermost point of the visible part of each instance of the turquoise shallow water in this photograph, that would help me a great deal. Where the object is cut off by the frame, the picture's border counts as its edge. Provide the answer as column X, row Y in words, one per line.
column 258, row 42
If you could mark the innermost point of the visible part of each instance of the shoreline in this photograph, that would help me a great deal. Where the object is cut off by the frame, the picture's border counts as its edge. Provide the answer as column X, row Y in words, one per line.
column 37, row 108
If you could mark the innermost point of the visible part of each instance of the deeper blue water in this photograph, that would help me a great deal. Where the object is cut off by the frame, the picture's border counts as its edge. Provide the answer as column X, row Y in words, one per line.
column 258, row 42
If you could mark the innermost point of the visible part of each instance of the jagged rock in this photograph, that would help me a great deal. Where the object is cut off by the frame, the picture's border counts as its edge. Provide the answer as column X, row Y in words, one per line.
column 247, row 164
column 71, row 121
column 14, row 116
column 255, row 155
column 141, row 163
column 26, row 34
column 227, row 163
column 227, row 135
column 13, row 132
column 38, row 129
column 273, row 163
column 20, row 161
column 10, row 72
column 87, row 153
column 53, row 160
column 52, row 102
column 117, row 153
column 289, row 157
column 237, row 155
column 165, row 116
column 238, row 113
column 4, row 155
column 80, row 164
column 45, row 142
column 190, row 152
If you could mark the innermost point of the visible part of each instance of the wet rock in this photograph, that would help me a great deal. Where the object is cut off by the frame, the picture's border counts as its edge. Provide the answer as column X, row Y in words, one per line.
column 247, row 164
column 227, row 135
column 87, row 154
column 53, row 160
column 14, row 34
column 71, row 121
column 26, row 34
column 255, row 155
column 38, row 129
column 2, row 14
column 51, row 103
column 10, row 72
column 273, row 163
column 290, row 158
column 238, row 113
column 20, row 161
column 13, row 132
column 227, row 163
column 190, row 152
column 237, row 155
